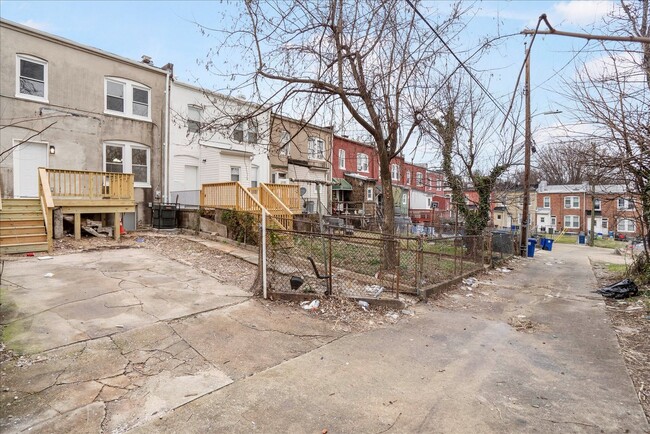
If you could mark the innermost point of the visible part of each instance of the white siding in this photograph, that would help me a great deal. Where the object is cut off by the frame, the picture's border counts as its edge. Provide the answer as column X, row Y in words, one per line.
column 301, row 172
column 419, row 199
column 177, row 171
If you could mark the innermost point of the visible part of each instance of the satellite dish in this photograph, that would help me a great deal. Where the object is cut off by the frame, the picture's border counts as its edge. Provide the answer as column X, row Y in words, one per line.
column 303, row 191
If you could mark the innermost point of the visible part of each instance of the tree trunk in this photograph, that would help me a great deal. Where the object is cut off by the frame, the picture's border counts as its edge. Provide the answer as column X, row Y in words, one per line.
column 389, row 256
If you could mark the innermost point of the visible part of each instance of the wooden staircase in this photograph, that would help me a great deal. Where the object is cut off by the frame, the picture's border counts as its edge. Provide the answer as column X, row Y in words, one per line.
column 22, row 228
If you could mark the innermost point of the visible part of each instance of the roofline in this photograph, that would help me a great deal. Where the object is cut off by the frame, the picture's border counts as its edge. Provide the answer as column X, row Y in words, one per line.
column 356, row 142
column 218, row 94
column 75, row 45
column 302, row 123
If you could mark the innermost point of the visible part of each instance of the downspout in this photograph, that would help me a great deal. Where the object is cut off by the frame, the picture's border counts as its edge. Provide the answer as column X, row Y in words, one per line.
column 166, row 139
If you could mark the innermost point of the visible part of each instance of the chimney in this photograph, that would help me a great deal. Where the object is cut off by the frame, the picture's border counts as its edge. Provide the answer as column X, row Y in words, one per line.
column 147, row 60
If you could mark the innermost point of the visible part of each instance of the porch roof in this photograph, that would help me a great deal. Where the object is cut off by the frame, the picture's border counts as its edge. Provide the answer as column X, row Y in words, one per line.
column 341, row 184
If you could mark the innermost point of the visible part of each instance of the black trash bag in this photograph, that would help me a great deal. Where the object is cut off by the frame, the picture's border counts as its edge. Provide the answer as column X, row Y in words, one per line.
column 623, row 289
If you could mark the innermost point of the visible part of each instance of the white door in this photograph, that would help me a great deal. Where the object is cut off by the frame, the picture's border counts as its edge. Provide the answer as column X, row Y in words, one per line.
column 191, row 178
column 28, row 157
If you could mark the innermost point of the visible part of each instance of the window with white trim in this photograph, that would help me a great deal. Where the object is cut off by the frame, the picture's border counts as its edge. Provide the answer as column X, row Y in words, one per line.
column 626, row 225
column 438, row 184
column 408, row 177
column 234, row 173
column 428, row 202
column 341, row 158
column 285, row 143
column 403, row 198
column 127, row 157
column 31, row 78
column 394, row 172
column 542, row 219
column 419, row 179
column 571, row 202
column 362, row 163
column 547, row 202
column 127, row 98
column 571, row 221
column 316, row 148
column 624, row 204
column 245, row 131
column 194, row 115
column 369, row 193
column 553, row 220
column 604, row 223
column 597, row 204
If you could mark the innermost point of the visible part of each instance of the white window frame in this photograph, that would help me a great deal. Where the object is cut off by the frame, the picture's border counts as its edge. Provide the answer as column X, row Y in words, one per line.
column 604, row 223
column 403, row 198
column 285, row 143
column 573, row 200
column 429, row 202
column 408, row 177
column 341, row 158
column 438, row 184
column 127, row 157
column 38, row 61
column 316, row 148
column 362, row 162
column 547, row 202
column 419, row 179
column 629, row 225
column 574, row 221
column 128, row 85
column 394, row 172
column 553, row 220
column 624, row 204
column 597, row 205
column 197, row 122
column 238, row 168
column 542, row 220
column 370, row 194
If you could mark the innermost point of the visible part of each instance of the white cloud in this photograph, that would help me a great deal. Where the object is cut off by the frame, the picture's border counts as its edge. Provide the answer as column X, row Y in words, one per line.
column 38, row 25
column 580, row 12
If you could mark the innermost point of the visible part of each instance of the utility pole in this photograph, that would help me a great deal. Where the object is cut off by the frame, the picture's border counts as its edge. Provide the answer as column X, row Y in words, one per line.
column 527, row 146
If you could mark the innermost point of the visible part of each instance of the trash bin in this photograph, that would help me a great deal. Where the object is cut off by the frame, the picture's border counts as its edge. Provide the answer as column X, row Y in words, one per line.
column 581, row 238
column 548, row 245
column 542, row 242
column 163, row 216
column 531, row 247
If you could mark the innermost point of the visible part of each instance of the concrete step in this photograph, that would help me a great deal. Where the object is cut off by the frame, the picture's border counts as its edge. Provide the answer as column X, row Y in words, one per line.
column 6, row 249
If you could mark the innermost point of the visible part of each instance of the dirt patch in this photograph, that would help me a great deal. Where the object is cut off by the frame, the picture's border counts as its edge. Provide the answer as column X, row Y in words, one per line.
column 521, row 324
column 631, row 321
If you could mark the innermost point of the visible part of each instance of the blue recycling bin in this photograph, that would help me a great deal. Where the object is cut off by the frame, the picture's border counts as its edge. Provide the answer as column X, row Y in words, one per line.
column 548, row 245
column 531, row 247
column 581, row 238
column 542, row 243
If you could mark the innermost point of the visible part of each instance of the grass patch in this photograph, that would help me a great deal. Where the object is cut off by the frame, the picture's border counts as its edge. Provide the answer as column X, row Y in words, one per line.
column 620, row 269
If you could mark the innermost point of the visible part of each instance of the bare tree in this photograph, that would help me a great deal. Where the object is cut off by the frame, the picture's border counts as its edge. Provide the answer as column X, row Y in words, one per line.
column 614, row 102
column 374, row 58
column 471, row 149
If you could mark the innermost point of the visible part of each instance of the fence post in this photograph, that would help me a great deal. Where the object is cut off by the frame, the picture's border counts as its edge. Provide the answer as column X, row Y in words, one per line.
column 399, row 267
column 264, row 289
column 329, row 281
column 419, row 264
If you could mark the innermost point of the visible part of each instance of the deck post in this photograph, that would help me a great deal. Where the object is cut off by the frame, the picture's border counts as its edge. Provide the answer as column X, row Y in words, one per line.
column 77, row 226
column 116, row 226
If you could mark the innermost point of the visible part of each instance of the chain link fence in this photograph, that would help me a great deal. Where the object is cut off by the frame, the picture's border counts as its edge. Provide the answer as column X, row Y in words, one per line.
column 367, row 264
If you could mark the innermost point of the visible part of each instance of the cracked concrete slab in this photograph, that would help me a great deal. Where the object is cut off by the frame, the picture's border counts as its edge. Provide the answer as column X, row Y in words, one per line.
column 248, row 338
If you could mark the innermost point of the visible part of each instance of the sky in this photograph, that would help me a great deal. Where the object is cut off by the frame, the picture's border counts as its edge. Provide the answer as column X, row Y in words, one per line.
column 167, row 32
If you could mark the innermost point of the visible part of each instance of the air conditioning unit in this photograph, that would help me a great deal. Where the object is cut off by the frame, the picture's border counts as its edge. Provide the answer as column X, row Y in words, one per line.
column 283, row 181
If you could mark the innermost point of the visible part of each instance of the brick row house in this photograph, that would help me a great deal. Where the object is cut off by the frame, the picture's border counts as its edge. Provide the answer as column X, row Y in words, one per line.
column 571, row 208
column 358, row 192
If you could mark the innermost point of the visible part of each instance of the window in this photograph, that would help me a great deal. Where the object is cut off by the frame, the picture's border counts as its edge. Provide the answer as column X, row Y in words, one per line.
column 571, row 221
column 438, row 184
column 571, row 202
column 369, row 193
column 547, row 201
column 193, row 119
column 542, row 219
column 597, row 204
column 553, row 220
column 245, row 131
column 126, row 157
column 127, row 98
column 341, row 159
column 285, row 143
column 316, row 149
column 31, row 82
column 255, row 170
column 403, row 198
column 626, row 225
column 625, row 203
column 604, row 224
column 362, row 163
column 234, row 173
column 498, row 216
column 394, row 172
column 419, row 179
column 408, row 177
column 428, row 202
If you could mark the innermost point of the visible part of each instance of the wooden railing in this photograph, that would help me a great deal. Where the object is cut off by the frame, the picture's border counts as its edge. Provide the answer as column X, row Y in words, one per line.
column 47, row 204
column 275, row 206
column 289, row 194
column 232, row 195
column 84, row 185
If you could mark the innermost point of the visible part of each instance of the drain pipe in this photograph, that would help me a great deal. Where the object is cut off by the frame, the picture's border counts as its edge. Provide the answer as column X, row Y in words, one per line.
column 170, row 71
